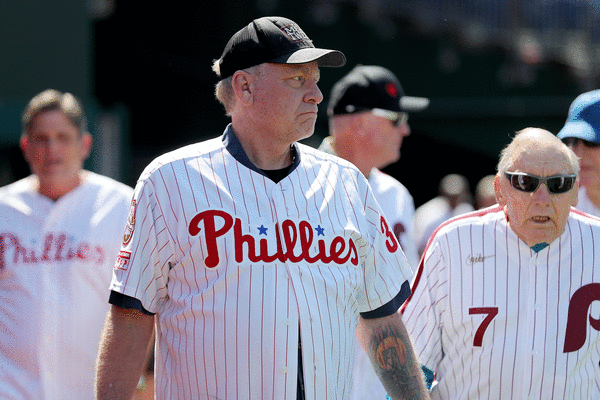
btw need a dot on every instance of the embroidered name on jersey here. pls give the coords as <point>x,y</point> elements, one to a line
<point>52,248</point>
<point>298,239</point>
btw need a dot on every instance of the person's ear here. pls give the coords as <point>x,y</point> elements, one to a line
<point>243,87</point>
<point>86,144</point>
<point>24,145</point>
<point>575,199</point>
<point>499,190</point>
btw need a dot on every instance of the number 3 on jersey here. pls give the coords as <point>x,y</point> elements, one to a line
<point>391,242</point>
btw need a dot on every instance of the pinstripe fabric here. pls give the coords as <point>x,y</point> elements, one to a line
<point>233,263</point>
<point>490,316</point>
<point>55,265</point>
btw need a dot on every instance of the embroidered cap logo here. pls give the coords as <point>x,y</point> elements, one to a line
<point>391,89</point>
<point>294,33</point>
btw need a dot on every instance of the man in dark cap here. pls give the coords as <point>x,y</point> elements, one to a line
<point>368,120</point>
<point>254,256</point>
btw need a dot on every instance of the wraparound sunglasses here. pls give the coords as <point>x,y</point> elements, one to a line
<point>556,184</point>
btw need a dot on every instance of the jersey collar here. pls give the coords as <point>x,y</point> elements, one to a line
<point>234,147</point>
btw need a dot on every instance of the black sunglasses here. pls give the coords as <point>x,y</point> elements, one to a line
<point>529,183</point>
<point>572,142</point>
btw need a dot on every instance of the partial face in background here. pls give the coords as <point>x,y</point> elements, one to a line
<point>589,154</point>
<point>54,148</point>
<point>382,138</point>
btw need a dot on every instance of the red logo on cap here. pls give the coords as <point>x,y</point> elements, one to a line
<point>391,89</point>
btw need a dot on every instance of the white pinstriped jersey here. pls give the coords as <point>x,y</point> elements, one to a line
<point>56,260</point>
<point>396,202</point>
<point>496,320</point>
<point>399,209</point>
<point>232,263</point>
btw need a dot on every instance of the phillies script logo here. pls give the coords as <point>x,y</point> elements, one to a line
<point>579,307</point>
<point>56,248</point>
<point>292,234</point>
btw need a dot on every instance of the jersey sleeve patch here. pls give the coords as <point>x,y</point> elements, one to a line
<point>122,260</point>
<point>130,225</point>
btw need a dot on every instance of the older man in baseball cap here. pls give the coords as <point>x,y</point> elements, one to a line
<point>581,132</point>
<point>368,120</point>
<point>240,250</point>
<point>273,40</point>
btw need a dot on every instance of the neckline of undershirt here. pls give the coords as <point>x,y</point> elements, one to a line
<point>539,247</point>
<point>277,175</point>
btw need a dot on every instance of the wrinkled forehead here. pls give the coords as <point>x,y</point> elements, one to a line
<point>542,160</point>
<point>305,68</point>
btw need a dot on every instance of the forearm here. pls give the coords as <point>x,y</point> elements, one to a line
<point>123,352</point>
<point>388,345</point>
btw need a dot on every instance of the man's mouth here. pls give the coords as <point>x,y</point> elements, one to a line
<point>540,219</point>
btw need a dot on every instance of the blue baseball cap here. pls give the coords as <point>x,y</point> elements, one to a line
<point>583,121</point>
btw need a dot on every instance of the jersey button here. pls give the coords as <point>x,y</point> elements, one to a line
<point>284,370</point>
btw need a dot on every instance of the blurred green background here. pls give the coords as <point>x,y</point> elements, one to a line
<point>143,71</point>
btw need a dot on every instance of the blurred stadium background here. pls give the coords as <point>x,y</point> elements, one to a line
<point>490,67</point>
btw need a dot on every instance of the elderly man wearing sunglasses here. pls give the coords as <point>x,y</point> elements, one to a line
<point>506,300</point>
<point>582,134</point>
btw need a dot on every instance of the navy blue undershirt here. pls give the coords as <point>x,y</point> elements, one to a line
<point>539,247</point>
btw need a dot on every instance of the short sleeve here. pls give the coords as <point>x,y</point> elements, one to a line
<point>143,260</point>
<point>384,264</point>
<point>422,312</point>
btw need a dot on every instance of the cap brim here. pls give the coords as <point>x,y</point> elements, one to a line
<point>413,104</point>
<point>324,57</point>
<point>580,130</point>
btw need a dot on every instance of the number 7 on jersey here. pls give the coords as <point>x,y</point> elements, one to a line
<point>491,313</point>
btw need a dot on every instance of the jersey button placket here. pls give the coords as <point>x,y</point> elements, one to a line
<point>529,335</point>
<point>532,315</point>
<point>284,190</point>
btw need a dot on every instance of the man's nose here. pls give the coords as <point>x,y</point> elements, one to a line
<point>314,93</point>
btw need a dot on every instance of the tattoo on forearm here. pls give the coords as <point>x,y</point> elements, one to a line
<point>394,363</point>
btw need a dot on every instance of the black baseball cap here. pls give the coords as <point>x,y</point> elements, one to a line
<point>367,87</point>
<point>273,40</point>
